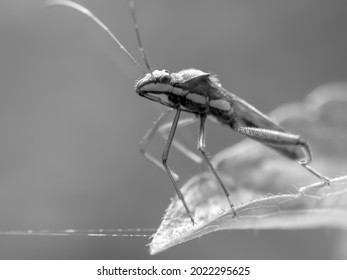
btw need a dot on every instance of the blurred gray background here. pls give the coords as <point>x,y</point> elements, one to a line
<point>70,121</point>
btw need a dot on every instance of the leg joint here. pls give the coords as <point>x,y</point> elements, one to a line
<point>164,160</point>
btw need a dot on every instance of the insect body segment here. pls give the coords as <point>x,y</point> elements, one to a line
<point>193,90</point>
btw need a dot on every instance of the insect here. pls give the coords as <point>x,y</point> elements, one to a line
<point>202,95</point>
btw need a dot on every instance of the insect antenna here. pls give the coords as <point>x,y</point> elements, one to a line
<point>137,31</point>
<point>89,14</point>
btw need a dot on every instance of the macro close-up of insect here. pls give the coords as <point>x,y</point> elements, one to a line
<point>96,156</point>
<point>202,94</point>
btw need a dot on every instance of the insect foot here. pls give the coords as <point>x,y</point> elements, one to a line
<point>233,211</point>
<point>325,180</point>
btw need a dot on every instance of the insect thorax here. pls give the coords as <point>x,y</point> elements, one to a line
<point>193,90</point>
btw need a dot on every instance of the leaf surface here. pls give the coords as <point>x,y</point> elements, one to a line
<point>269,190</point>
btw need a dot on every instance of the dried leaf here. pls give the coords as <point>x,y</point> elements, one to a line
<point>264,184</point>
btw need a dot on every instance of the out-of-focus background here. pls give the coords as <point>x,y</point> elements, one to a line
<point>70,121</point>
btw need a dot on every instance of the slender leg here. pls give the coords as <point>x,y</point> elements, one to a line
<point>201,148</point>
<point>268,136</point>
<point>165,157</point>
<point>149,136</point>
<point>164,130</point>
<point>308,158</point>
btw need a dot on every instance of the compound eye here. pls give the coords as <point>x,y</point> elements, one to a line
<point>165,79</point>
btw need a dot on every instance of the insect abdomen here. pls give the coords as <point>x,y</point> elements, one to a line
<point>235,112</point>
<point>248,116</point>
<point>222,109</point>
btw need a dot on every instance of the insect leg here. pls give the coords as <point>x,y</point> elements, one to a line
<point>201,148</point>
<point>308,158</point>
<point>268,136</point>
<point>164,132</point>
<point>165,157</point>
<point>149,136</point>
